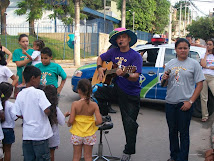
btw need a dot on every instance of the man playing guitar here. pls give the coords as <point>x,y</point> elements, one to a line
<point>126,88</point>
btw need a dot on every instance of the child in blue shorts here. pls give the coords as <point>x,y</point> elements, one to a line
<point>8,122</point>
<point>50,71</point>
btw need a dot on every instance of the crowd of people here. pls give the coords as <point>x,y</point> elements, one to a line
<point>36,93</point>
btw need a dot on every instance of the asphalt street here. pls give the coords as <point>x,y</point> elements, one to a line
<point>152,139</point>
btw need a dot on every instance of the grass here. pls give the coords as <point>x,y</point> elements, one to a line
<point>60,51</point>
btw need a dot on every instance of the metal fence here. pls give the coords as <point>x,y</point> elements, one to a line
<point>56,37</point>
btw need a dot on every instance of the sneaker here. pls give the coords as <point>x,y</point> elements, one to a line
<point>125,157</point>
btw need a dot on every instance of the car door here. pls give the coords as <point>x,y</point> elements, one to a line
<point>148,78</point>
<point>167,55</point>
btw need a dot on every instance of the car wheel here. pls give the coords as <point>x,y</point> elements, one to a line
<point>197,109</point>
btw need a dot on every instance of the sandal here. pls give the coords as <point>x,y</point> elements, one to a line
<point>204,119</point>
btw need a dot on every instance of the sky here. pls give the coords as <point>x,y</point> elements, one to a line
<point>205,7</point>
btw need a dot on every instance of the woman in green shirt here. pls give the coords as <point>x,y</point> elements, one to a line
<point>21,59</point>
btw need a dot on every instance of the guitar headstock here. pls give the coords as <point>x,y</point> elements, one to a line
<point>130,69</point>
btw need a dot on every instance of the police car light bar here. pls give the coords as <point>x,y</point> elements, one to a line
<point>158,40</point>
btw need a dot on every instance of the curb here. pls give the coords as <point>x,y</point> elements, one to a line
<point>66,63</point>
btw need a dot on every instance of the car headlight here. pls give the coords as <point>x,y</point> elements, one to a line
<point>78,73</point>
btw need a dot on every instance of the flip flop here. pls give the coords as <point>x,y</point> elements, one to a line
<point>204,119</point>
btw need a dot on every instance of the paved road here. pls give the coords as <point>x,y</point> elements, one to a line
<point>152,139</point>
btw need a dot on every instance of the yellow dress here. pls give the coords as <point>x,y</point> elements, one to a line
<point>84,126</point>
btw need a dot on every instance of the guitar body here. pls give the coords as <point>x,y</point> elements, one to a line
<point>107,77</point>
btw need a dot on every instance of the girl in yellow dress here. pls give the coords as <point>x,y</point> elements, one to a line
<point>83,122</point>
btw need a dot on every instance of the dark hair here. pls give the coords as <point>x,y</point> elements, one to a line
<point>189,36</point>
<point>47,51</point>
<point>3,60</point>
<point>21,36</point>
<point>181,40</point>
<point>40,44</point>
<point>85,86</point>
<point>51,94</point>
<point>6,90</point>
<point>212,42</point>
<point>31,71</point>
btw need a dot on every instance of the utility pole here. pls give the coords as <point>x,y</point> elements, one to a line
<point>123,16</point>
<point>185,19</point>
<point>104,16</point>
<point>170,25</point>
<point>77,34</point>
<point>180,20</point>
<point>188,15</point>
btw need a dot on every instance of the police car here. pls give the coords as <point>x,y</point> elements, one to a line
<point>154,56</point>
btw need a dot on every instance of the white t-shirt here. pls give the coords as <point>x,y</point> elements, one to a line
<point>210,62</point>
<point>31,103</point>
<point>1,132</point>
<point>54,141</point>
<point>5,73</point>
<point>34,55</point>
<point>9,116</point>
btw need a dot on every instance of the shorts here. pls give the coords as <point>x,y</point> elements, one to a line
<point>1,150</point>
<point>88,140</point>
<point>53,148</point>
<point>9,137</point>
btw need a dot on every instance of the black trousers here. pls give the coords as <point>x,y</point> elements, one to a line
<point>129,107</point>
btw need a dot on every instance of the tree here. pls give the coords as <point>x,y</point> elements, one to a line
<point>177,6</point>
<point>33,9</point>
<point>150,16</point>
<point>202,28</point>
<point>3,6</point>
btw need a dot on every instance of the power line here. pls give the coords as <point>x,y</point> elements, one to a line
<point>197,8</point>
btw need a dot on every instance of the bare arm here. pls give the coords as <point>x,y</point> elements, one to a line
<point>22,62</point>
<point>195,95</point>
<point>97,115</point>
<point>72,115</point>
<point>59,89</point>
<point>29,57</point>
<point>15,80</point>
<point>8,53</point>
<point>101,69</point>
<point>203,61</point>
<point>47,111</point>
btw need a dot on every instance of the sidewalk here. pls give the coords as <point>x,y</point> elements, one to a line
<point>67,65</point>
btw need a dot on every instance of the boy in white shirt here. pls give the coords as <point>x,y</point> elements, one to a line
<point>32,105</point>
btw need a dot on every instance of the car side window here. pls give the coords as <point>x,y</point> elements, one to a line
<point>169,54</point>
<point>149,56</point>
<point>194,55</point>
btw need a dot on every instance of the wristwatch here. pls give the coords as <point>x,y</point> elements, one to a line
<point>190,101</point>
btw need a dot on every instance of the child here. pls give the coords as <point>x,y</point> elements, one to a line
<point>83,122</point>
<point>50,71</point>
<point>38,45</point>
<point>1,132</point>
<point>20,59</point>
<point>8,122</point>
<point>5,72</point>
<point>56,117</point>
<point>33,106</point>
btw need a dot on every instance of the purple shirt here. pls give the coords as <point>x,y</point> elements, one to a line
<point>125,58</point>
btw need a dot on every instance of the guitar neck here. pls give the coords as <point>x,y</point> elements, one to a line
<point>112,71</point>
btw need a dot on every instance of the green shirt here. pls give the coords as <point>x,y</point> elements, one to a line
<point>50,73</point>
<point>19,56</point>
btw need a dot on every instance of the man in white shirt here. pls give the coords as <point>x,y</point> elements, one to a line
<point>32,105</point>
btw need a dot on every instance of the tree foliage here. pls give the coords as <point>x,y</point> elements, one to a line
<point>177,6</point>
<point>150,16</point>
<point>33,9</point>
<point>202,28</point>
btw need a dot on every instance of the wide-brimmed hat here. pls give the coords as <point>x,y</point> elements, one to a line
<point>118,31</point>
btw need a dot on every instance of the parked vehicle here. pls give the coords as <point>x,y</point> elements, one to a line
<point>154,58</point>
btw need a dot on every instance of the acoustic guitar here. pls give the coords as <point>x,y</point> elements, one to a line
<point>110,72</point>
